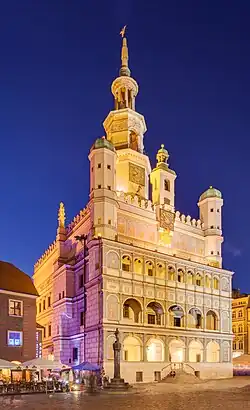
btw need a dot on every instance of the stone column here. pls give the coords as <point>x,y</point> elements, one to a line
<point>117,356</point>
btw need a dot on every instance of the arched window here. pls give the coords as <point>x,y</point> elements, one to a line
<point>171,273</point>
<point>180,275</point>
<point>198,279</point>
<point>213,352</point>
<point>149,268</point>
<point>240,329</point>
<point>155,350</point>
<point>132,310</point>
<point>234,329</point>
<point>155,314</point>
<point>207,282</point>
<point>195,318</point>
<point>240,313</point>
<point>160,270</point>
<point>176,316</point>
<point>138,265</point>
<point>216,283</point>
<point>241,345</point>
<point>233,314</point>
<point>211,320</point>
<point>166,185</point>
<point>132,349</point>
<point>195,352</point>
<point>189,277</point>
<point>126,263</point>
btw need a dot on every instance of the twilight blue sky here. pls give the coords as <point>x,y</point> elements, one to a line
<point>58,59</point>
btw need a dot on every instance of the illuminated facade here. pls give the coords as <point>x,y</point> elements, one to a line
<point>134,262</point>
<point>241,324</point>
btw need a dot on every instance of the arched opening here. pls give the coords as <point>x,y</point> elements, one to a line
<point>176,316</point>
<point>207,282</point>
<point>149,268</point>
<point>132,349</point>
<point>138,266</point>
<point>226,352</point>
<point>198,279</point>
<point>155,350</point>
<point>171,273</point>
<point>215,283</point>
<point>180,275</point>
<point>195,352</point>
<point>132,310</point>
<point>155,314</point>
<point>189,277</point>
<point>176,351</point>
<point>195,318</point>
<point>126,263</point>
<point>109,345</point>
<point>213,352</point>
<point>113,260</point>
<point>166,185</point>
<point>160,270</point>
<point>211,320</point>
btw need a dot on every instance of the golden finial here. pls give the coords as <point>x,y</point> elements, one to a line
<point>61,216</point>
<point>124,71</point>
<point>122,32</point>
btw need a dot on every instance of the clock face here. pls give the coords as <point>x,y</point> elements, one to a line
<point>136,174</point>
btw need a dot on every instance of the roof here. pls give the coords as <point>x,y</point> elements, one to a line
<point>14,280</point>
<point>211,193</point>
<point>103,143</point>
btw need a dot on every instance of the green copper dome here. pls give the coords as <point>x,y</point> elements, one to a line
<point>103,143</point>
<point>211,193</point>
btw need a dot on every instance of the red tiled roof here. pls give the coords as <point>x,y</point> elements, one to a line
<point>14,280</point>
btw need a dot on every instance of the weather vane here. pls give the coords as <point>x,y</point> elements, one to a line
<point>122,32</point>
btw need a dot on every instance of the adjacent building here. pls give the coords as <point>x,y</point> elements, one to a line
<point>130,260</point>
<point>241,323</point>
<point>17,314</point>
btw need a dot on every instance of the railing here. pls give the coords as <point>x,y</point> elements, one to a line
<point>176,366</point>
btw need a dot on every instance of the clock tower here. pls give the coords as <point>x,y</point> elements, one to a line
<point>125,129</point>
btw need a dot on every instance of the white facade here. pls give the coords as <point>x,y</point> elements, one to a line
<point>155,274</point>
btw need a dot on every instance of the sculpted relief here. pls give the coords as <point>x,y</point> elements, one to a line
<point>136,229</point>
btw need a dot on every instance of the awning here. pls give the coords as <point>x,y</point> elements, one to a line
<point>87,366</point>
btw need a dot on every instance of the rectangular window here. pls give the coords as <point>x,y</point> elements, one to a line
<point>60,296</point>
<point>151,319</point>
<point>63,294</point>
<point>44,304</point>
<point>218,211</point>
<point>81,281</point>
<point>99,165</point>
<point>109,187</point>
<point>109,166</point>
<point>212,210</point>
<point>109,221</point>
<point>44,332</point>
<point>150,272</point>
<point>99,186</point>
<point>15,339</point>
<point>81,318</point>
<point>40,307</point>
<point>125,267</point>
<point>126,311</point>
<point>75,354</point>
<point>125,355</point>
<point>177,321</point>
<point>139,377</point>
<point>157,376</point>
<point>15,307</point>
<point>49,330</point>
<point>49,301</point>
<point>198,358</point>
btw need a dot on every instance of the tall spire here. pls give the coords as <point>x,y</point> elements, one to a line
<point>124,70</point>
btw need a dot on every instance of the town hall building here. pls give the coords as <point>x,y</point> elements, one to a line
<point>130,260</point>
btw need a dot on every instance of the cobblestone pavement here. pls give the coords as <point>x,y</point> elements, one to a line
<point>225,395</point>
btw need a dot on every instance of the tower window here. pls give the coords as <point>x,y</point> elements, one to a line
<point>212,210</point>
<point>109,166</point>
<point>218,253</point>
<point>212,252</point>
<point>166,185</point>
<point>212,227</point>
<point>109,187</point>
<point>109,221</point>
<point>99,165</point>
<point>99,186</point>
<point>99,221</point>
<point>92,169</point>
<point>218,210</point>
